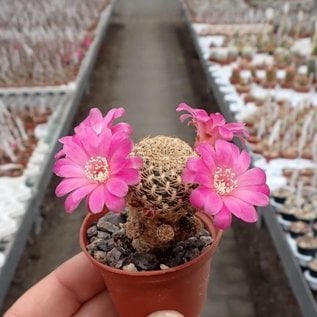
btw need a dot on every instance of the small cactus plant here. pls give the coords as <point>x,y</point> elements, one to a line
<point>235,76</point>
<point>159,213</point>
<point>161,181</point>
<point>289,77</point>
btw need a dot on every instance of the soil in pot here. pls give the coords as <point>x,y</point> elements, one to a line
<point>109,245</point>
<point>307,245</point>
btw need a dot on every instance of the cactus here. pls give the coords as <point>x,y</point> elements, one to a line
<point>235,76</point>
<point>290,75</point>
<point>159,212</point>
<point>271,75</point>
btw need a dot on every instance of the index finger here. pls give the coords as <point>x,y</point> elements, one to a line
<point>62,292</point>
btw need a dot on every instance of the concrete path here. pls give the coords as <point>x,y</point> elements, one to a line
<point>146,65</point>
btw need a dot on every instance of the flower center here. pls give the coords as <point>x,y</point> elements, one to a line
<point>97,169</point>
<point>224,181</point>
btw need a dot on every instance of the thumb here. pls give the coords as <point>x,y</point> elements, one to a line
<point>166,313</point>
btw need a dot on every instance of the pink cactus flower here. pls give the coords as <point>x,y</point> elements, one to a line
<point>96,163</point>
<point>212,127</point>
<point>226,185</point>
<point>97,122</point>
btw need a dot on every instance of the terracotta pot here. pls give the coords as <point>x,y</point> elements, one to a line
<point>138,294</point>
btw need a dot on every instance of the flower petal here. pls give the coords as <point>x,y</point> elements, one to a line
<point>95,120</point>
<point>242,163</point>
<point>252,197</point>
<point>225,133</point>
<point>207,154</point>
<point>223,218</point>
<point>218,119</point>
<point>263,188</point>
<point>121,146</point>
<point>254,176</point>
<point>196,198</point>
<point>134,162</point>
<point>205,199</point>
<point>241,209</point>
<point>117,187</point>
<point>213,203</point>
<point>68,185</point>
<point>67,170</point>
<point>104,141</point>
<point>96,199</point>
<point>112,115</point>
<point>130,175</point>
<point>114,203</point>
<point>117,165</point>
<point>122,127</point>
<point>74,199</point>
<point>87,138</point>
<point>226,153</point>
<point>76,153</point>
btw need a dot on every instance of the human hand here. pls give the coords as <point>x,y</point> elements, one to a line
<point>74,289</point>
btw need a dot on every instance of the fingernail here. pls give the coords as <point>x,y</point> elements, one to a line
<point>166,313</point>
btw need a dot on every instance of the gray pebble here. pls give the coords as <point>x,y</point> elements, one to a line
<point>94,238</point>
<point>164,267</point>
<point>192,240</point>
<point>113,257</point>
<point>104,225</point>
<point>92,231</point>
<point>118,233</point>
<point>106,245</point>
<point>103,235</point>
<point>114,218</point>
<point>130,268</point>
<point>206,240</point>
<point>178,249</point>
<point>145,261</point>
<point>100,256</point>
<point>119,264</point>
<point>204,232</point>
<point>190,254</point>
<point>93,246</point>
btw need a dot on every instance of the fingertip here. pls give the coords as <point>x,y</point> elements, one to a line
<point>166,313</point>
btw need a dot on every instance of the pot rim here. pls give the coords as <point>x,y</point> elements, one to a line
<point>207,221</point>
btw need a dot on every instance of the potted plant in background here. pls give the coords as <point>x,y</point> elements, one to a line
<point>157,209</point>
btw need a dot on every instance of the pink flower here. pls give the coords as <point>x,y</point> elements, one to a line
<point>97,122</point>
<point>96,163</point>
<point>212,127</point>
<point>226,185</point>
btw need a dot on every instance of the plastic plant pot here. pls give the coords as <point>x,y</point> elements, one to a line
<point>182,288</point>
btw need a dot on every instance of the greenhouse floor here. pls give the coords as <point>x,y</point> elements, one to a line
<point>146,64</point>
